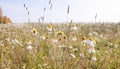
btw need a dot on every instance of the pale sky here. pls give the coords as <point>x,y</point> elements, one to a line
<point>80,10</point>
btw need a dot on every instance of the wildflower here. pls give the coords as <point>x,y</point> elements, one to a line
<point>106,52</point>
<point>90,34</point>
<point>95,33</point>
<point>1,44</point>
<point>60,39</point>
<point>91,39</point>
<point>70,47</point>
<point>49,28</point>
<point>65,37</point>
<point>61,46</point>
<point>107,30</point>
<point>89,42</point>
<point>7,39</point>
<point>74,38</point>
<point>91,50</point>
<point>38,65</point>
<point>116,46</point>
<point>54,41</point>
<point>29,47</point>
<point>50,32</point>
<point>94,58</point>
<point>110,43</point>
<point>42,37</point>
<point>23,66</point>
<point>101,36</point>
<point>73,27</point>
<point>83,38</point>
<point>73,56</point>
<point>47,37</point>
<point>82,55</point>
<point>29,42</point>
<point>34,30</point>
<point>60,33</point>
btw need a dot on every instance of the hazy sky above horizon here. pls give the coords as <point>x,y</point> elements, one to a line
<point>80,10</point>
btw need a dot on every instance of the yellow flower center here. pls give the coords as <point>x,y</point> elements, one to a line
<point>50,26</point>
<point>73,25</point>
<point>65,37</point>
<point>34,30</point>
<point>91,39</point>
<point>60,33</point>
<point>83,38</point>
<point>47,37</point>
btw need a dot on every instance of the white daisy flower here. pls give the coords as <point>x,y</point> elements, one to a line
<point>101,36</point>
<point>70,47</point>
<point>95,33</point>
<point>34,30</point>
<point>74,38</point>
<point>89,42</point>
<point>49,29</point>
<point>116,46</point>
<point>74,28</point>
<point>82,55</point>
<point>110,43</point>
<point>91,50</point>
<point>29,47</point>
<point>42,37</point>
<point>61,46</point>
<point>94,58</point>
<point>1,44</point>
<point>90,34</point>
<point>7,39</point>
<point>54,41</point>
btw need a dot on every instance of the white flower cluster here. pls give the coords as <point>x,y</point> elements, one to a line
<point>91,44</point>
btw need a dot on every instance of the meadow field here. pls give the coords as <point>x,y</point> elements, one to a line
<point>60,46</point>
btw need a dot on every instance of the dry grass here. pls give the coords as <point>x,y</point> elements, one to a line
<point>20,48</point>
